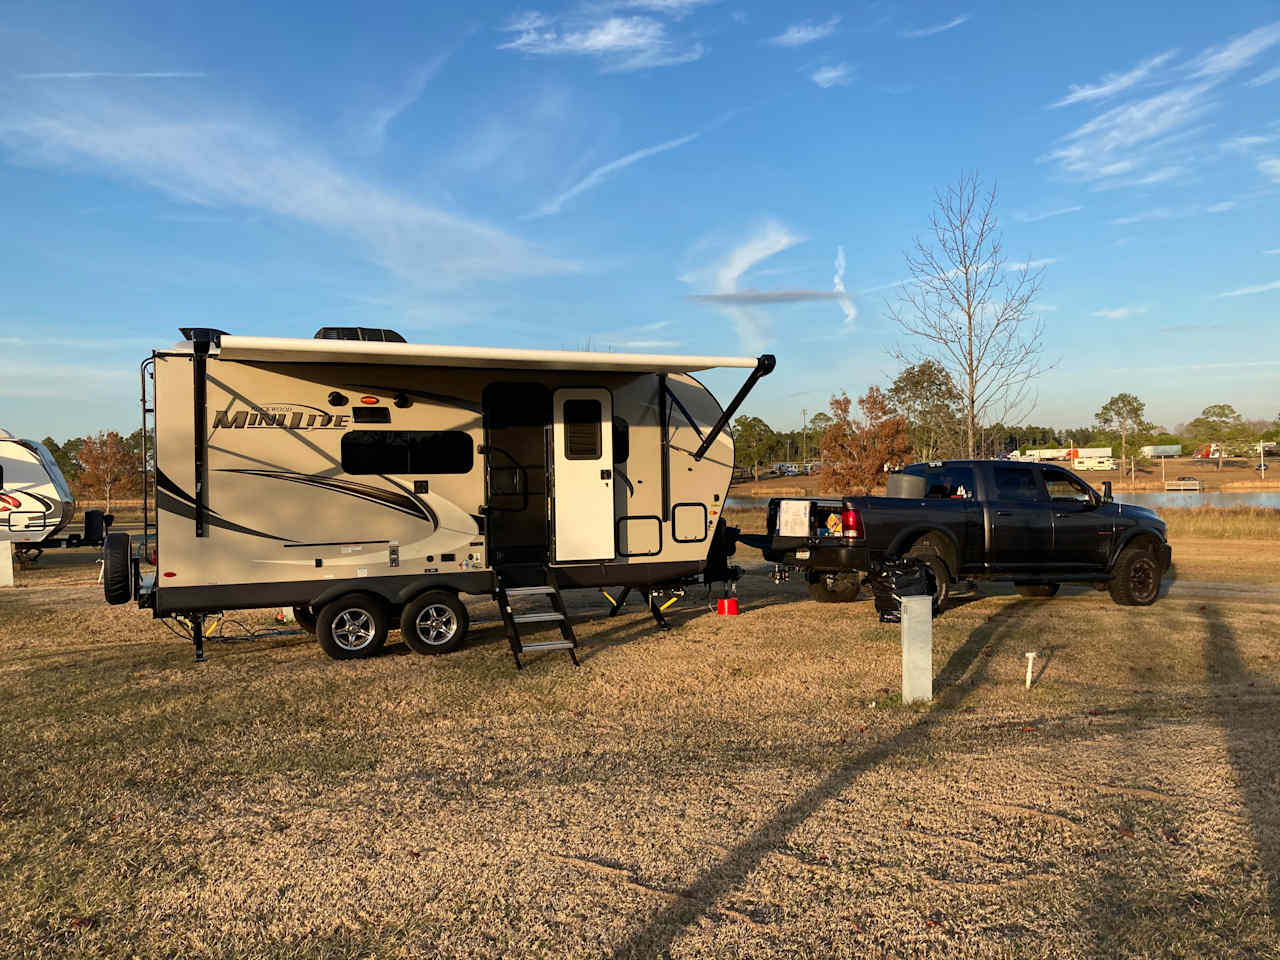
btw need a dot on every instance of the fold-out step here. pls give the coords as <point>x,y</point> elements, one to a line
<point>529,591</point>
<point>536,617</point>
<point>503,595</point>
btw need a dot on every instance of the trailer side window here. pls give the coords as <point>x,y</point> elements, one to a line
<point>582,440</point>
<point>407,451</point>
<point>621,440</point>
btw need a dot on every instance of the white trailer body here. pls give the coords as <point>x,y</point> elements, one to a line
<point>1166,450</point>
<point>1094,463</point>
<point>35,500</point>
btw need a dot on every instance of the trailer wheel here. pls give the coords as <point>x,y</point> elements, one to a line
<point>306,619</point>
<point>1135,578</point>
<point>941,575</point>
<point>117,577</point>
<point>1036,589</point>
<point>831,586</point>
<point>352,627</point>
<point>436,622</point>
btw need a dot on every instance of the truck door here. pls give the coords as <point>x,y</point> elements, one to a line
<point>582,458</point>
<point>1020,517</point>
<point>1081,533</point>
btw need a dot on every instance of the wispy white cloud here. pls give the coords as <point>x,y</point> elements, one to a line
<point>1262,79</point>
<point>1114,83</point>
<point>1247,142</point>
<point>1237,52</point>
<point>753,325</point>
<point>846,304</point>
<point>761,298</point>
<point>382,116</point>
<point>213,156</point>
<point>1030,264</point>
<point>1270,167</point>
<point>1045,215</point>
<point>1272,253</point>
<point>108,75</point>
<point>837,75</point>
<point>1249,291</point>
<point>621,44</point>
<point>1119,313</point>
<point>671,8</point>
<point>647,336</point>
<point>1160,213</point>
<point>1222,207</point>
<point>600,174</point>
<point>937,28</point>
<point>799,34</point>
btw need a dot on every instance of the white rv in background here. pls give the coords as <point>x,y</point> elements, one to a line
<point>1094,463</point>
<point>35,501</point>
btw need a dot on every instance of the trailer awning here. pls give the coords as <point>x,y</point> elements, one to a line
<point>283,350</point>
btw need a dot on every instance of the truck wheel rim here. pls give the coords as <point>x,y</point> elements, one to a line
<point>1142,578</point>
<point>436,625</point>
<point>353,629</point>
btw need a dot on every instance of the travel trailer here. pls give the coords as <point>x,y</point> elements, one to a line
<point>35,501</point>
<point>366,481</point>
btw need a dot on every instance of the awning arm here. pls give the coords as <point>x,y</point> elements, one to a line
<point>764,366</point>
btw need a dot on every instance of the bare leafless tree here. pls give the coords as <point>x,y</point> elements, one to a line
<point>974,311</point>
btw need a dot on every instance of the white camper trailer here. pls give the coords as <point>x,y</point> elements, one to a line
<point>366,481</point>
<point>35,501</point>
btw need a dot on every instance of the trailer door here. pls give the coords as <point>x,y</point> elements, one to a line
<point>582,495</point>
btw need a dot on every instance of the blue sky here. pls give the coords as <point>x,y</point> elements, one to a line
<point>578,174</point>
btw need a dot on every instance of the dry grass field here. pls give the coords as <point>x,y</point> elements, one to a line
<point>735,787</point>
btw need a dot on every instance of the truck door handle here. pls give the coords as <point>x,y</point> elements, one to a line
<point>1061,516</point>
<point>1003,513</point>
<point>606,474</point>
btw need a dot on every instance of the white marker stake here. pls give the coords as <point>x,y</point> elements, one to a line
<point>6,565</point>
<point>1031,659</point>
<point>917,649</point>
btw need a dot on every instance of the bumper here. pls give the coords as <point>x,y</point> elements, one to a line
<point>818,553</point>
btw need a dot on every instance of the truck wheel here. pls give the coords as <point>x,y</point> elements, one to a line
<point>1036,589</point>
<point>117,575</point>
<point>305,618</point>
<point>1135,578</point>
<point>826,586</point>
<point>352,627</point>
<point>927,555</point>
<point>435,622</point>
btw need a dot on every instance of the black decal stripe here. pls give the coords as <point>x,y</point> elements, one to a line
<point>362,491</point>
<point>170,504</point>
<point>164,483</point>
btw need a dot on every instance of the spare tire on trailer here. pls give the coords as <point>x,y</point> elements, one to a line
<point>117,568</point>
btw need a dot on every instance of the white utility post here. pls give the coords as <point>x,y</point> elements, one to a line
<point>1031,659</point>
<point>6,564</point>
<point>917,649</point>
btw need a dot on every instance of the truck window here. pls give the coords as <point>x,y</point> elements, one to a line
<point>1016,483</point>
<point>1063,487</point>
<point>946,483</point>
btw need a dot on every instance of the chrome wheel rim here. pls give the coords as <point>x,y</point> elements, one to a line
<point>436,625</point>
<point>353,629</point>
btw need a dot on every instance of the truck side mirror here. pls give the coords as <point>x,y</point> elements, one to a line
<point>1106,491</point>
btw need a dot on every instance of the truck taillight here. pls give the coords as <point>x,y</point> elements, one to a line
<point>850,526</point>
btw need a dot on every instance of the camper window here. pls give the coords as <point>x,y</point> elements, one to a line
<point>582,430</point>
<point>621,440</point>
<point>407,451</point>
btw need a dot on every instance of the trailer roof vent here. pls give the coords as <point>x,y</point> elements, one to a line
<point>359,333</point>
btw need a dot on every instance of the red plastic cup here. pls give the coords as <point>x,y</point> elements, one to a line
<point>727,606</point>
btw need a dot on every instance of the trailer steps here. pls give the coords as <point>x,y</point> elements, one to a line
<point>503,596</point>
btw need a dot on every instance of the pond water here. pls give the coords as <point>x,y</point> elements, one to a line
<point>1256,498</point>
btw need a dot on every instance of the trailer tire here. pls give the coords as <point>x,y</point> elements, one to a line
<point>436,622</point>
<point>938,571</point>
<point>352,627</point>
<point>117,572</point>
<point>1043,590</point>
<point>305,618</point>
<point>828,586</point>
<point>1135,578</point>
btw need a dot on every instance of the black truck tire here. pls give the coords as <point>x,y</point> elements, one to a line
<point>1135,578</point>
<point>1043,590</point>
<point>831,586</point>
<point>117,568</point>
<point>436,622</point>
<point>305,618</point>
<point>926,554</point>
<point>352,627</point>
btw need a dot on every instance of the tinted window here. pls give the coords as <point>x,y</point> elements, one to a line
<point>1063,486</point>
<point>582,430</point>
<point>1016,483</point>
<point>946,483</point>
<point>407,451</point>
<point>621,440</point>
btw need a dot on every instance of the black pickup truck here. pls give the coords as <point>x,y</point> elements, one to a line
<point>1035,524</point>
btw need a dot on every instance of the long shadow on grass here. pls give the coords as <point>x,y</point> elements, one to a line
<point>657,936</point>
<point>1252,743</point>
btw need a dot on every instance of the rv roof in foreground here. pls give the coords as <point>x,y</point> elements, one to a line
<point>283,350</point>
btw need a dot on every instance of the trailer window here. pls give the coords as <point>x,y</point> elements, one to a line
<point>407,452</point>
<point>582,440</point>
